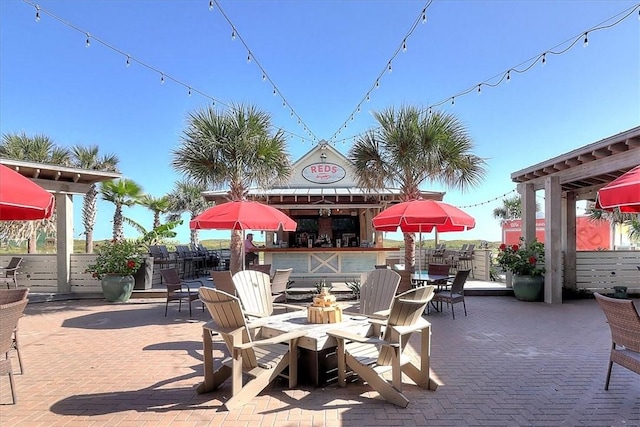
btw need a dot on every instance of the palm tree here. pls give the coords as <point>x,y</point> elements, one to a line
<point>89,158</point>
<point>511,209</point>
<point>40,149</point>
<point>631,220</point>
<point>186,197</point>
<point>122,192</point>
<point>409,149</point>
<point>233,149</point>
<point>157,205</point>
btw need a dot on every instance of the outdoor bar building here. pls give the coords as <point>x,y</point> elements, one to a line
<point>334,239</point>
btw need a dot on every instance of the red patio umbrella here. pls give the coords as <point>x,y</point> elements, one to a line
<point>418,216</point>
<point>623,193</point>
<point>21,199</point>
<point>243,215</point>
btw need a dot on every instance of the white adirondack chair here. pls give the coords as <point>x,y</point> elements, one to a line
<point>254,290</point>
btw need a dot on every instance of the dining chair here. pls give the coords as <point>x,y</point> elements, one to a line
<point>178,289</point>
<point>222,281</point>
<point>10,272</point>
<point>454,294</point>
<point>624,323</point>
<point>9,317</point>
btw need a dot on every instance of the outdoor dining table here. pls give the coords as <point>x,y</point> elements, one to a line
<point>424,278</point>
<point>440,281</point>
<point>318,362</point>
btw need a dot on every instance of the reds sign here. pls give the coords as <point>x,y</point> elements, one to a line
<point>323,173</point>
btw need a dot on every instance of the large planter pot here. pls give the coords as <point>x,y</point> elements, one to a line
<point>117,288</point>
<point>528,288</point>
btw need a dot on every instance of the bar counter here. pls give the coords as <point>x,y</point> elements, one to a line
<point>312,265</point>
<point>331,249</point>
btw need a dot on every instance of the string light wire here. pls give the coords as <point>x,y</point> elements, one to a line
<point>402,47</point>
<point>129,59</point>
<point>251,57</point>
<point>516,69</point>
<point>529,63</point>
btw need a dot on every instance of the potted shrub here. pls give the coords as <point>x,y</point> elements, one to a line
<point>116,262</point>
<point>526,262</point>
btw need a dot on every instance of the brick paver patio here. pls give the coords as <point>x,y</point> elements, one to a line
<point>90,363</point>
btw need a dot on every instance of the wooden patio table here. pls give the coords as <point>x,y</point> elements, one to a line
<point>318,361</point>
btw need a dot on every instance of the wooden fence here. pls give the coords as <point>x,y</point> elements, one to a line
<point>595,271</point>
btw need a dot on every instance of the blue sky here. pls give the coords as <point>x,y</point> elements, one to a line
<point>323,57</point>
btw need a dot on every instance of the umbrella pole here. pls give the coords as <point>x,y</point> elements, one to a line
<point>243,251</point>
<point>420,252</point>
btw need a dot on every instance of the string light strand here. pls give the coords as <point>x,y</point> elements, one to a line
<point>251,57</point>
<point>129,59</point>
<point>402,47</point>
<point>529,63</point>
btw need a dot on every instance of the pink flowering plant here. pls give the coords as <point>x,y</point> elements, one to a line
<point>523,259</point>
<point>121,258</point>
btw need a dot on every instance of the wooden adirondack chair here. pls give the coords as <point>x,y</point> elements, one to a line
<point>262,360</point>
<point>377,290</point>
<point>370,357</point>
<point>254,290</point>
<point>279,283</point>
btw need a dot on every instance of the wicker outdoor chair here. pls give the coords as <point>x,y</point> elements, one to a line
<point>8,296</point>
<point>624,322</point>
<point>9,316</point>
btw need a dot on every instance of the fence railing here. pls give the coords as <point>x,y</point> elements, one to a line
<point>595,271</point>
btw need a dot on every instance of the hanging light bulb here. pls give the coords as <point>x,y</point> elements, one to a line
<point>453,100</point>
<point>213,102</point>
<point>189,90</point>
<point>210,4</point>
<point>508,76</point>
<point>284,104</point>
<point>233,34</point>
<point>358,109</point>
<point>368,98</point>
<point>424,16</point>
<point>389,67</point>
<point>264,76</point>
<point>88,42</point>
<point>430,110</point>
<point>544,58</point>
<point>128,60</point>
<point>161,78</point>
<point>586,40</point>
<point>404,45</point>
<point>274,92</point>
<point>248,58</point>
<point>37,13</point>
<point>479,88</point>
<point>377,83</point>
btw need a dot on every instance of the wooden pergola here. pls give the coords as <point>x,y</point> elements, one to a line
<point>63,182</point>
<point>576,175</point>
